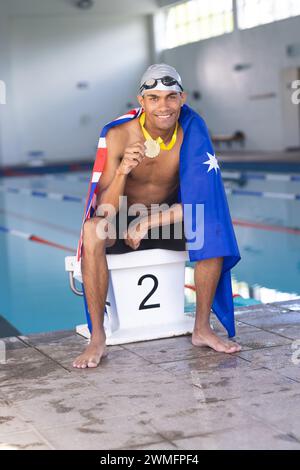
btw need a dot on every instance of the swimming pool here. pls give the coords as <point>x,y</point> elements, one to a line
<point>40,217</point>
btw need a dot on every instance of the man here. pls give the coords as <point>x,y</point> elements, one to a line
<point>147,175</point>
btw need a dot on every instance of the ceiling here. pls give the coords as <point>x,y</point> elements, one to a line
<point>68,7</point>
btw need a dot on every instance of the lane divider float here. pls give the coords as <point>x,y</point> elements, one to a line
<point>34,238</point>
<point>42,194</point>
<point>70,198</point>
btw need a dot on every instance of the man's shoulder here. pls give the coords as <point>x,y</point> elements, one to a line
<point>121,129</point>
<point>122,133</point>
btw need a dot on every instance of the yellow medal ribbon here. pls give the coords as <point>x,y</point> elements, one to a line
<point>159,139</point>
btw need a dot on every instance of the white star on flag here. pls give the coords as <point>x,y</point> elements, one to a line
<point>212,162</point>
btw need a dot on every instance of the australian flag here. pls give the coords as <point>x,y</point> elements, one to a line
<point>201,187</point>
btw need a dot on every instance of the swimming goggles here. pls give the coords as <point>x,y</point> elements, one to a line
<point>152,83</point>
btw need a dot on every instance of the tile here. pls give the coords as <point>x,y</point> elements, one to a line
<point>240,329</point>
<point>232,383</point>
<point>67,340</point>
<point>285,360</point>
<point>164,445</point>
<point>244,327</point>
<point>169,349</point>
<point>287,331</point>
<point>205,420</point>
<point>13,342</point>
<point>186,369</point>
<point>66,351</point>
<point>258,339</point>
<point>24,364</point>
<point>282,411</point>
<point>117,363</point>
<point>192,421</point>
<point>247,437</point>
<point>42,384</point>
<point>51,337</point>
<point>293,305</point>
<point>269,318</point>
<point>10,420</point>
<point>24,441</point>
<point>163,394</point>
<point>114,433</point>
<point>256,310</point>
<point>143,395</point>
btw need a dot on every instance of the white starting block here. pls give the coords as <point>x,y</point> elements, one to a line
<point>145,296</point>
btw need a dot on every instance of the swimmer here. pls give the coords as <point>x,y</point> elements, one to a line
<point>144,179</point>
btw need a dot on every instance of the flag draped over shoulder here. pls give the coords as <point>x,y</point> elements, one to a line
<point>101,155</point>
<point>200,184</point>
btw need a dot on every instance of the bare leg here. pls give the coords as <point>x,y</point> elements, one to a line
<point>207,274</point>
<point>95,280</point>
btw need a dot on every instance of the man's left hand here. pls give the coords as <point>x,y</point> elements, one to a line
<point>136,232</point>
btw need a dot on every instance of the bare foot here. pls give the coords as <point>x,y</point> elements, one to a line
<point>92,356</point>
<point>207,337</point>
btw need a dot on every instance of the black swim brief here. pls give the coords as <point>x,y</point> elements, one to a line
<point>169,243</point>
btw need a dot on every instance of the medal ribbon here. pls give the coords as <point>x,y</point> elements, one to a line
<point>159,139</point>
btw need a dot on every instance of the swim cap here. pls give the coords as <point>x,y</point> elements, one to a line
<point>161,71</point>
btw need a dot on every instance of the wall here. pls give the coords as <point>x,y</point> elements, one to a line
<point>7,140</point>
<point>44,56</point>
<point>227,101</point>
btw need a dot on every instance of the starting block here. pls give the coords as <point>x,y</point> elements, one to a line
<point>145,299</point>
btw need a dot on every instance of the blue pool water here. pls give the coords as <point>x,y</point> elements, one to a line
<point>35,294</point>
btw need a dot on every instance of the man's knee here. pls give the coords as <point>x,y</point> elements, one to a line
<point>90,233</point>
<point>95,233</point>
<point>216,261</point>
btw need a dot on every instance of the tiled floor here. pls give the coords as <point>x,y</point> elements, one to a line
<point>163,394</point>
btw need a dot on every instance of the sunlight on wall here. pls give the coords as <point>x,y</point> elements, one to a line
<point>195,20</point>
<point>256,12</point>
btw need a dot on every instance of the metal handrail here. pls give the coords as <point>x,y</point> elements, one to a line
<point>73,286</point>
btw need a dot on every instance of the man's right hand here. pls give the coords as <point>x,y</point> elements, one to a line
<point>133,156</point>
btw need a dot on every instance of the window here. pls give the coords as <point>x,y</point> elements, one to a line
<point>255,12</point>
<point>197,19</point>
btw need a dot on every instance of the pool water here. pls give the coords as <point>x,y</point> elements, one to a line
<point>38,228</point>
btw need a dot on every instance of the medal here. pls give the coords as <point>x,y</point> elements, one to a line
<point>152,148</point>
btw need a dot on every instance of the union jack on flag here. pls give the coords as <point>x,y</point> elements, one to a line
<point>101,155</point>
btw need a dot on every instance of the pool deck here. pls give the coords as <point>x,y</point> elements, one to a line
<point>162,394</point>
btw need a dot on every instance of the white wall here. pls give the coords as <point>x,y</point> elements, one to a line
<point>46,47</point>
<point>207,66</point>
<point>7,141</point>
<point>45,56</point>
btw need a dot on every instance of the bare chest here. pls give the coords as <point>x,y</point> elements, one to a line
<point>157,171</point>
<point>161,170</point>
